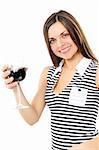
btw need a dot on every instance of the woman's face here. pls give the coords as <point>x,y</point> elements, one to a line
<point>60,41</point>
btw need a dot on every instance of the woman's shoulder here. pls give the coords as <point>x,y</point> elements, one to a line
<point>95,66</point>
<point>47,70</point>
<point>93,63</point>
<point>50,68</point>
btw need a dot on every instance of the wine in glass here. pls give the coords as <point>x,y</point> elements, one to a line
<point>19,75</point>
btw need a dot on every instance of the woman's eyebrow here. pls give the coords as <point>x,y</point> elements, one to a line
<point>66,32</point>
<point>52,38</point>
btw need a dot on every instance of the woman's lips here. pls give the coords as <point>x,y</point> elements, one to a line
<point>65,50</point>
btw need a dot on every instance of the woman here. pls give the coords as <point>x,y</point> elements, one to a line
<point>69,87</point>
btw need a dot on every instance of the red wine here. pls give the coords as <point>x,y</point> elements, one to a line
<point>18,75</point>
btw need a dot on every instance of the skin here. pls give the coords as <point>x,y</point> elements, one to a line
<point>60,41</point>
<point>89,145</point>
<point>63,46</point>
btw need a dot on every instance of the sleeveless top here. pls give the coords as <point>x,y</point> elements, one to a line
<point>74,110</point>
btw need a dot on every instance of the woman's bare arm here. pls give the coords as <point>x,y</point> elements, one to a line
<point>31,114</point>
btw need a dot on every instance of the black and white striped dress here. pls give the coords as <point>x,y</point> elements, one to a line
<point>73,120</point>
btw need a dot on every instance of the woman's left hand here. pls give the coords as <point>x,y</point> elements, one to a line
<point>92,144</point>
<point>97,77</point>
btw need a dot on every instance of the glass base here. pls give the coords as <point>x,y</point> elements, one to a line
<point>21,106</point>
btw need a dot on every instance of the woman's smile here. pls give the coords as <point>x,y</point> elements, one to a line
<point>65,50</point>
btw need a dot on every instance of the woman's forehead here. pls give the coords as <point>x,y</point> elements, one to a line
<point>56,29</point>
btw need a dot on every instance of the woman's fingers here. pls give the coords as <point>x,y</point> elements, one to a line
<point>11,85</point>
<point>8,80</point>
<point>6,70</point>
<point>5,74</point>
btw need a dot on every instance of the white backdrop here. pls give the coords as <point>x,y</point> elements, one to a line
<point>22,43</point>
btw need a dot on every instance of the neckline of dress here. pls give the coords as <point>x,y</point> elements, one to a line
<point>70,83</point>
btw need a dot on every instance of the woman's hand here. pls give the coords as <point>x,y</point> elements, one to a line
<point>97,78</point>
<point>6,70</point>
<point>92,144</point>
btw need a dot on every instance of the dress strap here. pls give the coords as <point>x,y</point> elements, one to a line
<point>59,68</point>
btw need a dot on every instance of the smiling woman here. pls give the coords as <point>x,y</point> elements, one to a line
<point>60,41</point>
<point>71,92</point>
<point>68,87</point>
<point>70,25</point>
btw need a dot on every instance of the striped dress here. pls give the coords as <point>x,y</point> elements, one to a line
<point>74,110</point>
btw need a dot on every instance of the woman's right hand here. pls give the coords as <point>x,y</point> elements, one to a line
<point>6,70</point>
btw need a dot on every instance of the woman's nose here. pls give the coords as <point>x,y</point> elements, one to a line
<point>60,42</point>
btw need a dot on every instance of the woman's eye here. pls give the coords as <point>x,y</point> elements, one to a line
<point>52,41</point>
<point>65,35</point>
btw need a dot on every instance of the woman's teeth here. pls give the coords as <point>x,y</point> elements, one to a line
<point>65,50</point>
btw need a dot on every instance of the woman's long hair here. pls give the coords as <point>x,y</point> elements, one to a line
<point>75,31</point>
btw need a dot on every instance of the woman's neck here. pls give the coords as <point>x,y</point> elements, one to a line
<point>72,63</point>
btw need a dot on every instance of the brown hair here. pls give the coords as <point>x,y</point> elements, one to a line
<point>75,31</point>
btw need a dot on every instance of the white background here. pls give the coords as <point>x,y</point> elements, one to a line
<point>22,43</point>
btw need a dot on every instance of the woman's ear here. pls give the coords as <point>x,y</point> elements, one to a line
<point>97,77</point>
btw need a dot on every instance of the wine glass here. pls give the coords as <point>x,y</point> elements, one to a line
<point>18,72</point>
